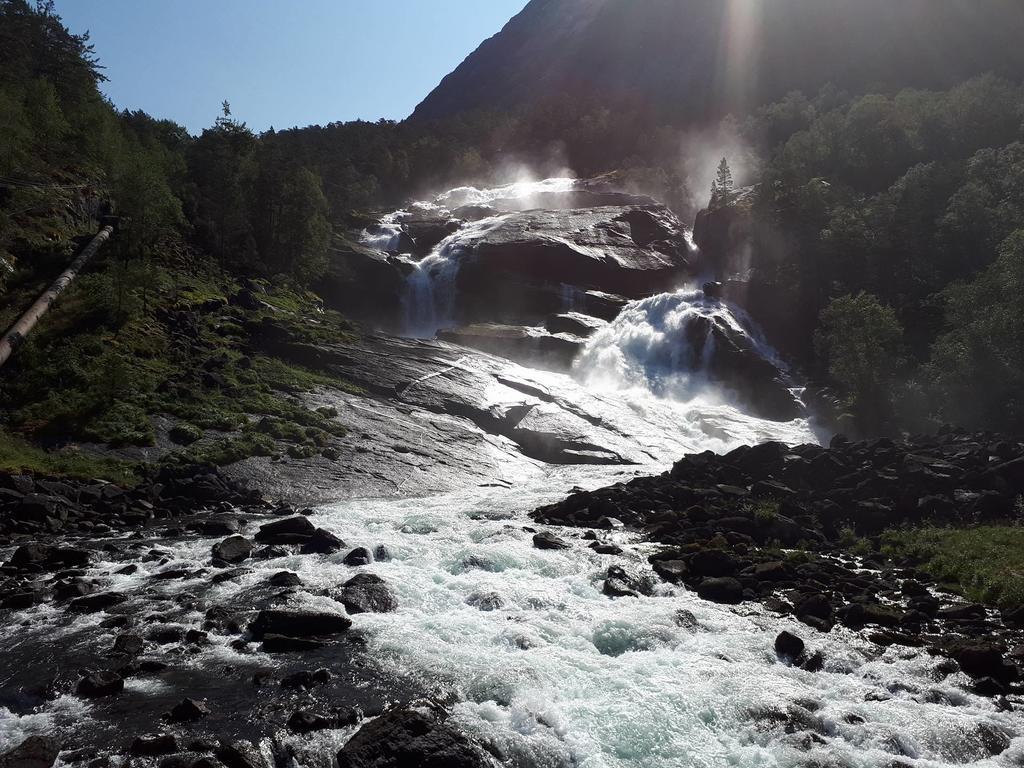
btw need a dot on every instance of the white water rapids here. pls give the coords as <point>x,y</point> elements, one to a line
<point>553,673</point>
<point>546,669</point>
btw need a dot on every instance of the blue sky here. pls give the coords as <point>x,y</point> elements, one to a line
<point>281,63</point>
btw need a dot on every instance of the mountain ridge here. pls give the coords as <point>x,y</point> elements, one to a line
<point>711,57</point>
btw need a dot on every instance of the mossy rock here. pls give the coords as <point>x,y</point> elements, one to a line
<point>185,434</point>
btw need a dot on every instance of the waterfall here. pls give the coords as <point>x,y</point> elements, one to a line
<point>429,300</point>
<point>665,345</point>
<point>386,235</point>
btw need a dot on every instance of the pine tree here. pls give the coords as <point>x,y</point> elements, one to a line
<point>722,187</point>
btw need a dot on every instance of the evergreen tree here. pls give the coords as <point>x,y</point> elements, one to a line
<point>722,188</point>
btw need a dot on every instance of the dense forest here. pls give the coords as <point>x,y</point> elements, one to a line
<point>890,226</point>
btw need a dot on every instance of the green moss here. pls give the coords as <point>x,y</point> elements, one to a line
<point>228,450</point>
<point>18,455</point>
<point>984,564</point>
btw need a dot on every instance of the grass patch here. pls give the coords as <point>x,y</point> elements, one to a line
<point>984,564</point>
<point>228,450</point>
<point>18,455</point>
<point>113,354</point>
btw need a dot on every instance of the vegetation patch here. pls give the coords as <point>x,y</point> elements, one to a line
<point>985,564</point>
<point>18,455</point>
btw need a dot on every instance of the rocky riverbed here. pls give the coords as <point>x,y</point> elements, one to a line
<point>771,524</point>
<point>211,626</point>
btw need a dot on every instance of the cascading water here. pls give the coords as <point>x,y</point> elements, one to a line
<point>384,236</point>
<point>429,299</point>
<point>665,344</point>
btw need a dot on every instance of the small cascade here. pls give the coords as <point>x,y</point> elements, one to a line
<point>672,346</point>
<point>386,235</point>
<point>429,300</point>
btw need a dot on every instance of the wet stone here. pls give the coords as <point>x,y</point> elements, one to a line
<point>100,684</point>
<point>188,710</point>
<point>358,556</point>
<point>367,593</point>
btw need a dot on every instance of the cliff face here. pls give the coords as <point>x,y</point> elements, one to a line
<point>698,59</point>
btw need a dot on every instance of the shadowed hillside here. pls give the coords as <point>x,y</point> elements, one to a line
<point>716,56</point>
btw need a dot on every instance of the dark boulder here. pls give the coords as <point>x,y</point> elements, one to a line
<point>98,602</point>
<point>620,583</point>
<point>358,556</point>
<point>411,736</point>
<point>285,579</point>
<point>673,571</point>
<point>303,721</point>
<point>712,562</point>
<point>366,593</point>
<point>306,680</point>
<point>302,623</point>
<point>187,711</point>
<point>322,542</point>
<point>548,540</point>
<point>128,644</point>
<point>49,558</point>
<point>982,659</point>
<point>813,606</point>
<point>240,754</point>
<point>291,530</point>
<point>723,589</point>
<point>789,645</point>
<point>233,549</point>
<point>33,752</point>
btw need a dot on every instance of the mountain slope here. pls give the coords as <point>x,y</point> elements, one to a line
<point>698,59</point>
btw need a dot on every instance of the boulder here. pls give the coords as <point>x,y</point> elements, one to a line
<point>412,735</point>
<point>98,602</point>
<point>290,530</point>
<point>233,549</point>
<point>49,557</point>
<point>358,556</point>
<point>674,571</point>
<point>508,271</point>
<point>367,284</point>
<point>285,579</point>
<point>619,583</point>
<point>713,562</point>
<point>322,542</point>
<point>302,623</point>
<point>240,754</point>
<point>723,589</point>
<point>187,711</point>
<point>366,593</point>
<point>303,721</point>
<point>789,645</point>
<point>548,540</point>
<point>128,644</point>
<point>33,752</point>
